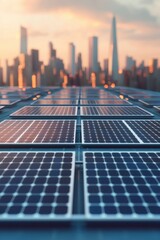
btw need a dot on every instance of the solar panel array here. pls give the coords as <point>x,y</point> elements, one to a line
<point>41,132</point>
<point>36,185</point>
<point>111,132</point>
<point>46,111</point>
<point>115,111</point>
<point>122,185</point>
<point>63,172</point>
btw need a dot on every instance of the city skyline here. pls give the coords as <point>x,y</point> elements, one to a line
<point>138,31</point>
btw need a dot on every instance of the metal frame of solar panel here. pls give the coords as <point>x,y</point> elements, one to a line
<point>43,102</point>
<point>8,102</point>
<point>1,107</point>
<point>122,186</point>
<point>150,102</point>
<point>137,97</point>
<point>117,133</point>
<point>36,186</point>
<point>38,133</point>
<point>46,112</point>
<point>114,112</point>
<point>157,108</point>
<point>105,102</point>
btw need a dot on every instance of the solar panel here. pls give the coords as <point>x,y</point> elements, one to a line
<point>1,107</point>
<point>36,185</point>
<point>120,132</point>
<point>143,96</point>
<point>37,132</point>
<point>116,111</point>
<point>47,111</point>
<point>8,102</point>
<point>63,97</point>
<point>101,97</point>
<point>157,108</point>
<point>56,102</point>
<point>105,102</point>
<point>122,185</point>
<point>150,102</point>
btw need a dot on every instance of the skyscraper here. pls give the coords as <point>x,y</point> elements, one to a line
<point>113,52</point>
<point>72,64</point>
<point>23,40</point>
<point>93,55</point>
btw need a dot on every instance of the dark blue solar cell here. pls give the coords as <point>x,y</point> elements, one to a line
<point>125,210</point>
<point>91,173</point>
<point>118,189</point>
<point>48,199</point>
<point>151,180</point>
<point>110,210</point>
<point>62,199</point>
<point>4,180</point>
<point>24,189</point>
<point>40,180</point>
<point>37,189</point>
<point>106,189</point>
<point>19,199</point>
<point>128,180</point>
<point>30,210</point>
<point>156,189</point>
<point>44,173</point>
<point>31,173</point>
<point>65,173</point>
<point>63,189</point>
<point>16,209</point>
<point>28,180</point>
<point>139,180</point>
<point>94,199</point>
<point>5,199</point>
<point>154,209</point>
<point>122,199</point>
<point>60,210</point>
<point>3,208</point>
<point>50,189</point>
<point>108,199</point>
<point>91,180</point>
<point>149,199</point>
<point>11,189</point>
<point>95,210</point>
<point>45,210</point>
<point>103,180</point>
<point>144,189</point>
<point>34,199</point>
<point>135,199</point>
<point>140,209</point>
<point>53,180</point>
<point>131,189</point>
<point>93,189</point>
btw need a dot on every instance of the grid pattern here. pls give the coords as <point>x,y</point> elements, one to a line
<point>122,185</point>
<point>56,102</point>
<point>47,111</point>
<point>37,132</point>
<point>36,185</point>
<point>105,102</point>
<point>121,132</point>
<point>116,111</point>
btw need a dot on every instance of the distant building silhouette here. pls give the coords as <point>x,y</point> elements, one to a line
<point>71,60</point>
<point>23,40</point>
<point>113,53</point>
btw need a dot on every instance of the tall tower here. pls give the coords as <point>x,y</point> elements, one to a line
<point>93,55</point>
<point>72,63</point>
<point>23,40</point>
<point>113,52</point>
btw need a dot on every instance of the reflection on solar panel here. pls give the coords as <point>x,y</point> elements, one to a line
<point>46,111</point>
<point>36,185</point>
<point>150,102</point>
<point>56,102</point>
<point>118,132</point>
<point>8,102</point>
<point>122,185</point>
<point>145,96</point>
<point>105,102</point>
<point>116,111</point>
<point>39,132</point>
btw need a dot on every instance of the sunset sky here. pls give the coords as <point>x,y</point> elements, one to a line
<point>64,21</point>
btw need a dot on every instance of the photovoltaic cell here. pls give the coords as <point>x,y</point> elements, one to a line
<point>36,185</point>
<point>55,102</point>
<point>37,132</point>
<point>122,185</point>
<point>47,111</point>
<point>116,111</point>
<point>105,102</point>
<point>121,132</point>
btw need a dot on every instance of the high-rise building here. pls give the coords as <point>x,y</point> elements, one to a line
<point>153,66</point>
<point>93,55</point>
<point>130,63</point>
<point>1,76</point>
<point>23,40</point>
<point>52,51</point>
<point>72,63</point>
<point>79,62</point>
<point>113,53</point>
